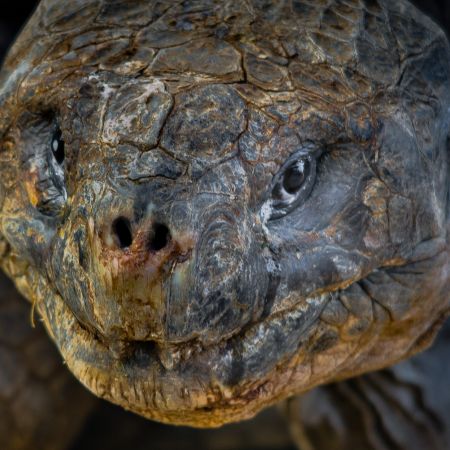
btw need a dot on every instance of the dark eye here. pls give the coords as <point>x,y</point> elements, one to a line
<point>295,175</point>
<point>292,185</point>
<point>57,146</point>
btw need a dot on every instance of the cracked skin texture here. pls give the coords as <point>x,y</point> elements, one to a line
<point>253,198</point>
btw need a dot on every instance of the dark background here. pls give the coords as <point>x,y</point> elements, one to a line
<point>111,428</point>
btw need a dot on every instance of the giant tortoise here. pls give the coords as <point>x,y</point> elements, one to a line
<point>213,205</point>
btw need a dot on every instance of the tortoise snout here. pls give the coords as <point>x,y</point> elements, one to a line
<point>132,261</point>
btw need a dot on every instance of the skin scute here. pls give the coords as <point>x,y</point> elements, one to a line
<point>215,205</point>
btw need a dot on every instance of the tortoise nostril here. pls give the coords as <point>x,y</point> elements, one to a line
<point>121,227</point>
<point>160,237</point>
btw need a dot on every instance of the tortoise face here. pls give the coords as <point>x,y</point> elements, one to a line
<point>226,225</point>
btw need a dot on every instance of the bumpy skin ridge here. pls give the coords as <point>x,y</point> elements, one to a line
<point>185,114</point>
<point>403,406</point>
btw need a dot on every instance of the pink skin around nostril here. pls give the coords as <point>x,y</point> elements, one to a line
<point>129,252</point>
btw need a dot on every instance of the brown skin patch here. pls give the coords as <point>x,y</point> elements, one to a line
<point>32,177</point>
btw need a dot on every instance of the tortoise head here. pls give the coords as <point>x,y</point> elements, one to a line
<point>215,207</point>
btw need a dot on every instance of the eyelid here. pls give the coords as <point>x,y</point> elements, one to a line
<point>45,180</point>
<point>307,150</point>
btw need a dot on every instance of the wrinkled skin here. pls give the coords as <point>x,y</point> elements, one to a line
<point>173,273</point>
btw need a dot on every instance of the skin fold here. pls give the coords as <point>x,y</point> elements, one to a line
<point>216,205</point>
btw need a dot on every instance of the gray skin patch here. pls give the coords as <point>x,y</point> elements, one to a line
<point>253,198</point>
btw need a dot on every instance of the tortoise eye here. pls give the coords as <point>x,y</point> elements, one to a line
<point>293,183</point>
<point>57,146</point>
<point>42,156</point>
<point>295,176</point>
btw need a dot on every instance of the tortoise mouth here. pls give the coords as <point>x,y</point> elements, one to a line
<point>290,351</point>
<point>187,383</point>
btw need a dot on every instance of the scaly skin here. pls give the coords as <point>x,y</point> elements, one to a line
<point>176,276</point>
<point>401,407</point>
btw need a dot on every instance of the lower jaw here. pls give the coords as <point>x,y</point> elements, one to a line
<point>207,389</point>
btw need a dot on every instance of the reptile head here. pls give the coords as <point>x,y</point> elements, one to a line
<point>214,205</point>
